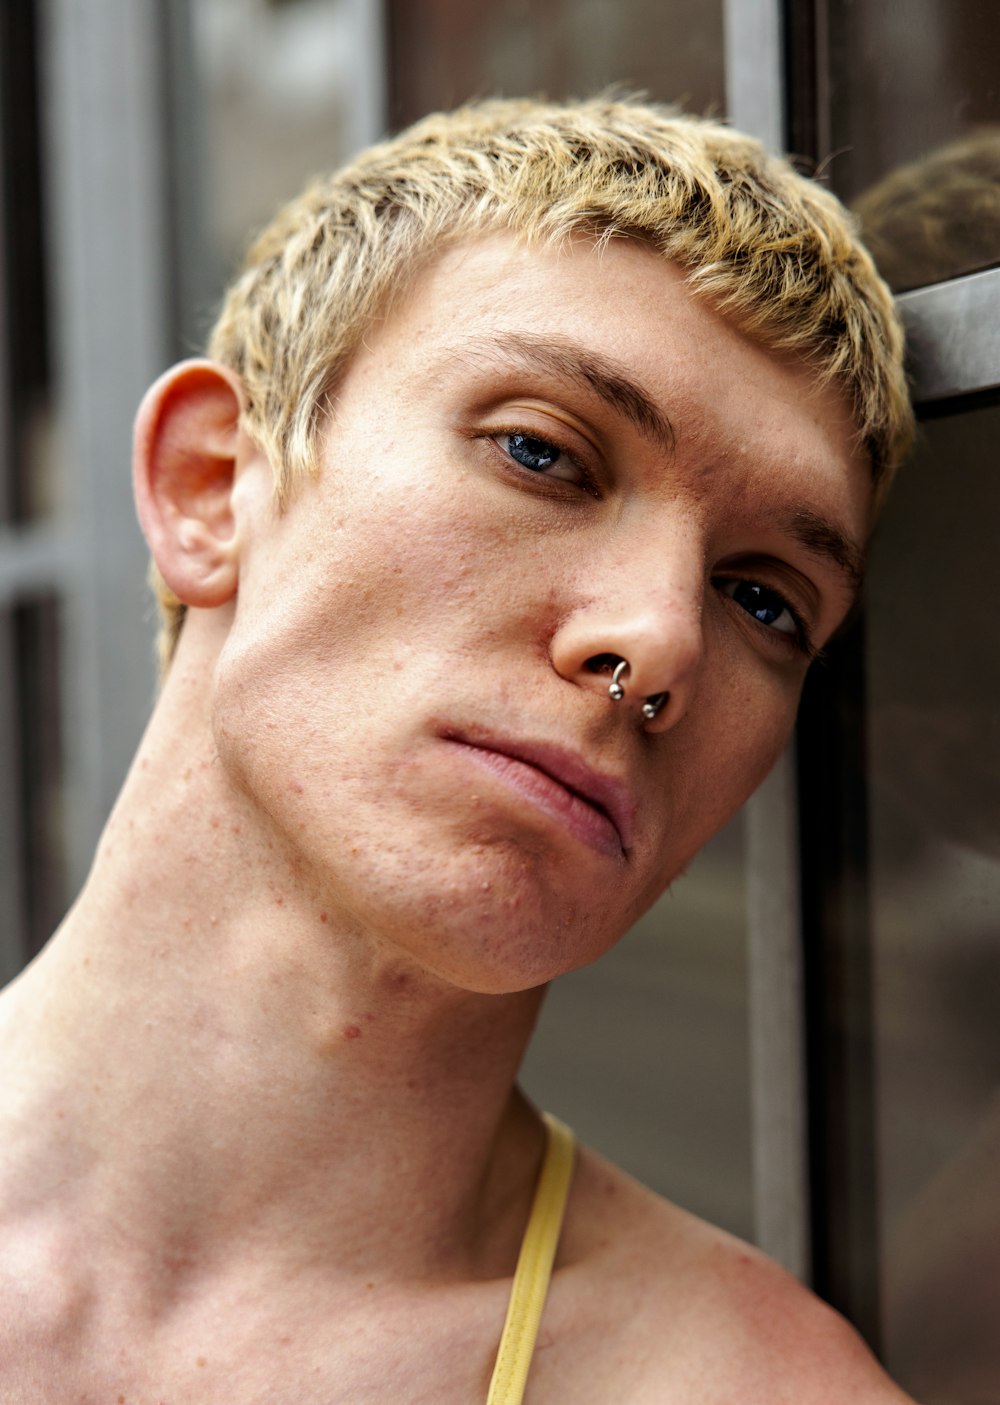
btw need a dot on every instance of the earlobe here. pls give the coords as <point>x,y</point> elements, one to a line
<point>184,462</point>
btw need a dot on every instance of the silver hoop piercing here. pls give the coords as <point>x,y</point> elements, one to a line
<point>653,704</point>
<point>616,689</point>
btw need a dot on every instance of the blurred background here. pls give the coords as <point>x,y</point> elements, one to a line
<point>801,1041</point>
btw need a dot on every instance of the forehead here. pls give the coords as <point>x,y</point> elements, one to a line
<point>619,323</point>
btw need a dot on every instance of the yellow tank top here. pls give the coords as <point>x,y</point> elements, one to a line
<point>534,1268</point>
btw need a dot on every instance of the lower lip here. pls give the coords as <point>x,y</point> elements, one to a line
<point>576,816</point>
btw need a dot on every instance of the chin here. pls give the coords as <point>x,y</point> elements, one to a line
<point>492,927</point>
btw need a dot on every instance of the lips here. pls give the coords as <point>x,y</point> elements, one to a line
<point>596,808</point>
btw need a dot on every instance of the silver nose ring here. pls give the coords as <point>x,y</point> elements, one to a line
<point>616,692</point>
<point>653,704</point>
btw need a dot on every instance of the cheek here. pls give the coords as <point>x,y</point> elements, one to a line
<point>713,761</point>
<point>348,614</point>
<point>750,737</point>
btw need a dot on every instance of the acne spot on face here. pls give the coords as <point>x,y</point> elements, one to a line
<point>295,787</point>
<point>352,1031</point>
<point>323,917</point>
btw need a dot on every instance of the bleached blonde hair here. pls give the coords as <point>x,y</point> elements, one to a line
<point>769,248</point>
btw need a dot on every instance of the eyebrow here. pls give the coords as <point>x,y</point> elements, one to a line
<point>822,537</point>
<point>561,357</point>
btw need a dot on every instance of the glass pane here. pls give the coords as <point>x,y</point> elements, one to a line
<point>32,872</point>
<point>914,137</point>
<point>933,665</point>
<point>13,919</point>
<point>443,52</point>
<point>27,489</point>
<point>265,96</point>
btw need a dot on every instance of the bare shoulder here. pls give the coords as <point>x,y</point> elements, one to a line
<point>679,1310</point>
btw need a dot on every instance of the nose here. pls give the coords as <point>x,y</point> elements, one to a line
<point>640,647</point>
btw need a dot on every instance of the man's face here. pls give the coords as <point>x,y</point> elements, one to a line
<point>540,459</point>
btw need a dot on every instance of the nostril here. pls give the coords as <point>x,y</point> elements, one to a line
<point>603,663</point>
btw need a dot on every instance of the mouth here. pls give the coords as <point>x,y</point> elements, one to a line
<point>596,809</point>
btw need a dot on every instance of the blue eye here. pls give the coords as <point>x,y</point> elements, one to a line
<point>543,457</point>
<point>529,452</point>
<point>545,460</point>
<point>766,606</point>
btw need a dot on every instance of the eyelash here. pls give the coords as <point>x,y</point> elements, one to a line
<point>799,639</point>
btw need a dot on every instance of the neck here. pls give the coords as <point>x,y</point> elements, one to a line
<point>209,1059</point>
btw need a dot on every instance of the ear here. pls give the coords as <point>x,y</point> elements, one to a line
<point>184,463</point>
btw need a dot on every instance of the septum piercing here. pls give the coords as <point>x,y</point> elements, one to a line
<point>616,692</point>
<point>653,704</point>
<point>616,689</point>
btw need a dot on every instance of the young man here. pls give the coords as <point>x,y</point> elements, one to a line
<point>535,461</point>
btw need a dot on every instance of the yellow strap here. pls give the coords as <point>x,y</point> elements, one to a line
<point>534,1268</point>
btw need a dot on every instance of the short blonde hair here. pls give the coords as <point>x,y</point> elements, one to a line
<point>771,249</point>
